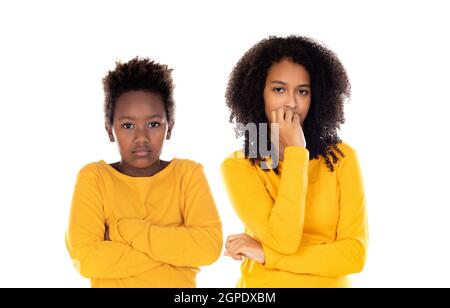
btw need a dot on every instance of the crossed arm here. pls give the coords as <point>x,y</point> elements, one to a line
<point>343,256</point>
<point>132,246</point>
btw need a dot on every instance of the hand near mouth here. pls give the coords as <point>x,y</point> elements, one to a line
<point>290,130</point>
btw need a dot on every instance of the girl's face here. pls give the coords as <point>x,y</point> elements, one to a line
<point>288,86</point>
<point>139,127</point>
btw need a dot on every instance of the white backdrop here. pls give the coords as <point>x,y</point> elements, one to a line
<point>54,54</point>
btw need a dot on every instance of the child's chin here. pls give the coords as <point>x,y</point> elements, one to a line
<point>143,162</point>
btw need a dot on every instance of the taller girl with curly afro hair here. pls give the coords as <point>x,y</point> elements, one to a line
<point>304,213</point>
<point>330,87</point>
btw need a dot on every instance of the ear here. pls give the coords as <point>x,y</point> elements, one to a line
<point>169,131</point>
<point>108,129</point>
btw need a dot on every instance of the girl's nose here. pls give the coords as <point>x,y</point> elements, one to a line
<point>141,135</point>
<point>291,103</point>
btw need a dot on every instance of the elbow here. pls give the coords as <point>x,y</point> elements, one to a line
<point>213,253</point>
<point>360,263</point>
<point>79,260</point>
<point>217,250</point>
<point>359,259</point>
<point>85,268</point>
<point>84,273</point>
<point>213,250</point>
<point>74,255</point>
<point>79,264</point>
<point>357,266</point>
<point>212,257</point>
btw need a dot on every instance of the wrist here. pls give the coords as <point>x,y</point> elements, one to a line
<point>114,233</point>
<point>295,142</point>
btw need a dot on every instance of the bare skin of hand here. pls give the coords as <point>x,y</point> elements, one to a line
<point>290,130</point>
<point>242,245</point>
<point>107,234</point>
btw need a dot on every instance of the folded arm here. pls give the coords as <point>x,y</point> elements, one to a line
<point>91,254</point>
<point>197,242</point>
<point>276,223</point>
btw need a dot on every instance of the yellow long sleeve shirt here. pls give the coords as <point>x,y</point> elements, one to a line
<point>162,228</point>
<point>311,223</point>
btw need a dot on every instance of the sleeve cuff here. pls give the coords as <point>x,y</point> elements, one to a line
<point>135,233</point>
<point>114,233</point>
<point>269,256</point>
<point>296,152</point>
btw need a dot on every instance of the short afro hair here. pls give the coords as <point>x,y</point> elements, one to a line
<point>330,87</point>
<point>139,74</point>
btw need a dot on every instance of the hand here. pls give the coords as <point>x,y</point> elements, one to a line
<point>290,129</point>
<point>242,245</point>
<point>107,234</point>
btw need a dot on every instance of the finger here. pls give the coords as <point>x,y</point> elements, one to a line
<point>288,115</point>
<point>280,115</point>
<point>296,119</point>
<point>237,257</point>
<point>234,236</point>
<point>273,116</point>
<point>227,253</point>
<point>232,249</point>
<point>238,248</point>
<point>231,238</point>
<point>227,242</point>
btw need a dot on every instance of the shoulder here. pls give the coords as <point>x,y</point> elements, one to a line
<point>237,166</point>
<point>186,168</point>
<point>188,173</point>
<point>186,165</point>
<point>346,149</point>
<point>350,156</point>
<point>91,174</point>
<point>91,169</point>
<point>236,158</point>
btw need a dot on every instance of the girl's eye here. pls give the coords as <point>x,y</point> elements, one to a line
<point>278,90</point>
<point>303,92</point>
<point>154,124</point>
<point>127,125</point>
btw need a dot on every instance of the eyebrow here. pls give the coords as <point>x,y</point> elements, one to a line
<point>285,83</point>
<point>147,118</point>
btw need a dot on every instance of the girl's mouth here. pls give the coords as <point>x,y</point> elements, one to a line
<point>142,152</point>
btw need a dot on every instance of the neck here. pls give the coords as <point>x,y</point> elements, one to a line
<point>130,170</point>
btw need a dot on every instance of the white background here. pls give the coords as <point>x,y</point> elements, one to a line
<point>54,54</point>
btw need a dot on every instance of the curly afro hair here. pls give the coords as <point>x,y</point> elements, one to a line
<point>330,87</point>
<point>139,74</point>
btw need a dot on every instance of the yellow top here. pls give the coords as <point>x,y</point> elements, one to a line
<point>162,228</point>
<point>311,222</point>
